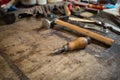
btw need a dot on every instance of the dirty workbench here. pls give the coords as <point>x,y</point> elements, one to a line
<point>25,51</point>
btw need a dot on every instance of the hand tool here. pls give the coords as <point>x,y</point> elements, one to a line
<point>85,32</point>
<point>108,54</point>
<point>107,25</point>
<point>112,27</point>
<point>79,43</point>
<point>95,27</point>
<point>89,26</point>
<point>67,11</point>
<point>94,6</point>
<point>81,19</point>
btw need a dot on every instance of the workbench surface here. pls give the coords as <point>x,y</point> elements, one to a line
<point>26,48</point>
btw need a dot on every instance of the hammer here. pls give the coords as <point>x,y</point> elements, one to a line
<point>78,29</point>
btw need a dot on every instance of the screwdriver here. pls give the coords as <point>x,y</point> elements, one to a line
<point>79,43</point>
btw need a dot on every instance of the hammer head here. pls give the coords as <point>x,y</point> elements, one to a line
<point>49,23</point>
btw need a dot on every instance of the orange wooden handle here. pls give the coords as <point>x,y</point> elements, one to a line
<point>86,32</point>
<point>78,43</point>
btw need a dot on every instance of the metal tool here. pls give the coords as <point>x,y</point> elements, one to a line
<point>79,43</point>
<point>96,27</point>
<point>104,26</point>
<point>89,24</point>
<point>107,25</point>
<point>112,28</point>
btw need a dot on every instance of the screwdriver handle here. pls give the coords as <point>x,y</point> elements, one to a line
<point>78,43</point>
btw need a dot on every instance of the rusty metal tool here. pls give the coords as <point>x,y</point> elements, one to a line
<point>79,43</point>
<point>80,30</point>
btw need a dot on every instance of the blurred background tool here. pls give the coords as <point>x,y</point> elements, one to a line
<point>89,24</point>
<point>79,43</point>
<point>67,11</point>
<point>81,19</point>
<point>106,25</point>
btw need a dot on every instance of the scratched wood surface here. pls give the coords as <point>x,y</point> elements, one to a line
<point>28,47</point>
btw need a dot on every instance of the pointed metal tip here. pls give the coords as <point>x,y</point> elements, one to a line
<point>58,51</point>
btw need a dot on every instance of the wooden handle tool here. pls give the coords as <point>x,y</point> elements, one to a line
<point>67,11</point>
<point>85,32</point>
<point>79,43</point>
<point>81,20</point>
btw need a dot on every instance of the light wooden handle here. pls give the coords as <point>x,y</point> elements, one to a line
<point>85,32</point>
<point>67,11</point>
<point>81,20</point>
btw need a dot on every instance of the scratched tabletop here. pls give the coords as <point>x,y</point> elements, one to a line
<point>25,48</point>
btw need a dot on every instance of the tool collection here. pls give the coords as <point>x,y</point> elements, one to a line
<point>58,14</point>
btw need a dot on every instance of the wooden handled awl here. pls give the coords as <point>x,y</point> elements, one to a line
<point>79,43</point>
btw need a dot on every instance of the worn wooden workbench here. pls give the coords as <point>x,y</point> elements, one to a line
<point>26,49</point>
